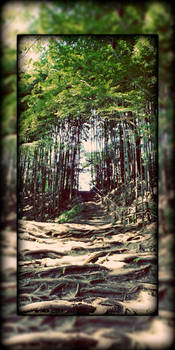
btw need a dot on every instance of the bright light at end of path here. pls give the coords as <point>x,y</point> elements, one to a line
<point>88,146</point>
<point>85,177</point>
<point>84,180</point>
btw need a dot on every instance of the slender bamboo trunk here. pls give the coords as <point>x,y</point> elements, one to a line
<point>121,155</point>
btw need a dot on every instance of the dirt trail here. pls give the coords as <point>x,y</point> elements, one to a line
<point>93,214</point>
<point>94,332</point>
<point>87,266</point>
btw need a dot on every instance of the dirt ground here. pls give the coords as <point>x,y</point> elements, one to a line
<point>86,267</point>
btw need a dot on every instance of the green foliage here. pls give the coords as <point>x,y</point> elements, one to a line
<point>66,216</point>
<point>70,18</point>
<point>73,75</point>
<point>153,208</point>
<point>136,260</point>
<point>63,270</point>
<point>89,17</point>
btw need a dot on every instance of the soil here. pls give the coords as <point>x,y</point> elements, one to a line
<point>91,269</point>
<point>88,266</point>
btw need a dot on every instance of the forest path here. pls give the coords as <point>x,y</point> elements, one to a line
<point>87,266</point>
<point>93,213</point>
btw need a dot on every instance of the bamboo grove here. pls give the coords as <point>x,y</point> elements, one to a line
<point>76,88</point>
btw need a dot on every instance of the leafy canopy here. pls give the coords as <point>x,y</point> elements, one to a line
<point>67,77</point>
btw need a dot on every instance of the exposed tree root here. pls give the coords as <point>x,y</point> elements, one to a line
<point>90,269</point>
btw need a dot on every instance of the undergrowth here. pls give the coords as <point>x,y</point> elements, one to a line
<point>67,215</point>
